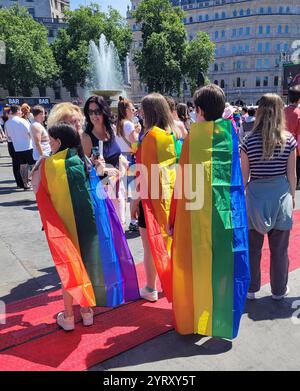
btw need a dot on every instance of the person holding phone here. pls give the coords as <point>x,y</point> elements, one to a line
<point>127,134</point>
<point>99,128</point>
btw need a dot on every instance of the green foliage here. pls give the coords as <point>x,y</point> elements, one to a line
<point>85,24</point>
<point>167,58</point>
<point>199,55</point>
<point>160,62</point>
<point>29,59</point>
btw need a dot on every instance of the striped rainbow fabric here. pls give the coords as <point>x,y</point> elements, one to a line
<point>158,153</point>
<point>85,237</point>
<point>210,258</point>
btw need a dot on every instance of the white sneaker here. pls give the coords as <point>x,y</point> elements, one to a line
<point>279,297</point>
<point>251,295</point>
<point>87,317</point>
<point>149,296</point>
<point>67,324</point>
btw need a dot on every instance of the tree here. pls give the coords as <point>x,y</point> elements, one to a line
<point>29,59</point>
<point>199,55</point>
<point>167,58</point>
<point>72,44</point>
<point>160,62</point>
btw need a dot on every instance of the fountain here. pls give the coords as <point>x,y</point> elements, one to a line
<point>104,76</point>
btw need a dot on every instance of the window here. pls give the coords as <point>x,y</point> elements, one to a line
<point>276,81</point>
<point>216,67</point>
<point>258,81</point>
<point>216,34</point>
<point>259,47</point>
<point>260,30</point>
<point>244,83</point>
<point>248,11</point>
<point>238,82</point>
<point>268,29</point>
<point>223,33</point>
<point>32,12</point>
<point>279,30</point>
<point>191,19</point>
<point>222,84</point>
<point>286,30</point>
<point>247,30</point>
<point>259,63</point>
<point>216,82</point>
<point>266,81</point>
<point>268,47</point>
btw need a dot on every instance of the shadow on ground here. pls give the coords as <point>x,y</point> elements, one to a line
<point>34,286</point>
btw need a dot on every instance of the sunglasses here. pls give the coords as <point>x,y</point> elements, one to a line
<point>96,112</point>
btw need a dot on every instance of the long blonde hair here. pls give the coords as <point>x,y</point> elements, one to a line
<point>270,123</point>
<point>157,113</point>
<point>62,112</point>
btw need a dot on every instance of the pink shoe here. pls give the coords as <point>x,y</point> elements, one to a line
<point>67,324</point>
<point>87,317</point>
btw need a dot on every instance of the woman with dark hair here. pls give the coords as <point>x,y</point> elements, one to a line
<point>84,234</point>
<point>99,129</point>
<point>184,116</point>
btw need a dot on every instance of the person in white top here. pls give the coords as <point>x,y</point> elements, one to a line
<point>17,130</point>
<point>40,138</point>
<point>126,135</point>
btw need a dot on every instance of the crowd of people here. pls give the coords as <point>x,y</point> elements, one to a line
<point>241,165</point>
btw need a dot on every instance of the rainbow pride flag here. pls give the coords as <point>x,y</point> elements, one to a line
<point>210,261</point>
<point>158,152</point>
<point>84,234</point>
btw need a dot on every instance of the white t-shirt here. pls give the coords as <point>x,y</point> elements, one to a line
<point>128,129</point>
<point>17,129</point>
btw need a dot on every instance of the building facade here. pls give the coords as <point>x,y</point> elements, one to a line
<point>253,39</point>
<point>49,13</point>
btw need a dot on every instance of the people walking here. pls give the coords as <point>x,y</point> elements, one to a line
<point>18,132</point>
<point>268,157</point>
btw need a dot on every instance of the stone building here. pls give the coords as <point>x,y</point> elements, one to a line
<point>253,39</point>
<point>49,13</point>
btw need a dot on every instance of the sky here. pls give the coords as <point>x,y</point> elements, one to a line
<point>120,5</point>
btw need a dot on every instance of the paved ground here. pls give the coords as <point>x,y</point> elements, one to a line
<point>268,339</point>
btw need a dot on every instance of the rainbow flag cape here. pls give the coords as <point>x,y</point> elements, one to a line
<point>85,237</point>
<point>210,258</point>
<point>158,153</point>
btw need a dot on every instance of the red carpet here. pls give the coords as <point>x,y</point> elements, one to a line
<point>32,341</point>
